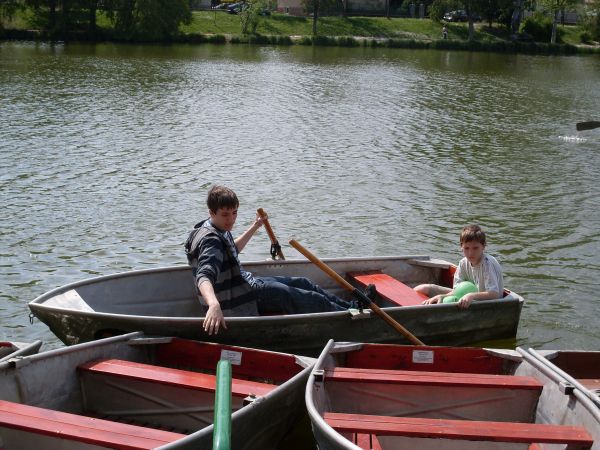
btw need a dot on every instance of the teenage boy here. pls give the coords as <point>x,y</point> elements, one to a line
<point>226,289</point>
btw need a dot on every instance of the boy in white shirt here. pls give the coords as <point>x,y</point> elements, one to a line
<point>481,269</point>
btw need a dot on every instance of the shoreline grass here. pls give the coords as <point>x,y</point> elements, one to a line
<point>280,29</point>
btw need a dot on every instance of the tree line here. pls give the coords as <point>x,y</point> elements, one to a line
<point>130,19</point>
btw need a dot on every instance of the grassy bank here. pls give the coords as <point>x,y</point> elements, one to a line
<point>281,29</point>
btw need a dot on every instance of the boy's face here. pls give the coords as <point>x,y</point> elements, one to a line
<point>473,250</point>
<point>224,218</point>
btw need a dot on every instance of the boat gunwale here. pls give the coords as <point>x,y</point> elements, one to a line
<point>317,421</point>
<point>39,302</point>
<point>269,262</point>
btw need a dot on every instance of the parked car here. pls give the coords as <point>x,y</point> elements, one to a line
<point>460,16</point>
<point>235,8</point>
<point>456,16</point>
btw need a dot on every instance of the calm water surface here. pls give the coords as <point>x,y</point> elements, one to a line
<point>107,153</point>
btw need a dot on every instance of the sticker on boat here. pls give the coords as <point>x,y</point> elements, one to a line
<point>422,356</point>
<point>233,357</point>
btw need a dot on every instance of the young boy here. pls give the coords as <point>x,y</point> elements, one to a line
<point>478,267</point>
<point>226,288</point>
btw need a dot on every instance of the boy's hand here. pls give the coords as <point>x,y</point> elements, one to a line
<point>260,220</point>
<point>433,300</point>
<point>466,300</point>
<point>214,319</point>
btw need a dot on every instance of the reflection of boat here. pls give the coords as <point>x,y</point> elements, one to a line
<point>10,349</point>
<point>369,396</point>
<point>163,302</point>
<point>125,391</point>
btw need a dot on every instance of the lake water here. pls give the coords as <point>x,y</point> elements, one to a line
<point>107,152</point>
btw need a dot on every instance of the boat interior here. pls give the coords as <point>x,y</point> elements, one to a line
<point>128,392</point>
<point>170,292</point>
<point>379,396</point>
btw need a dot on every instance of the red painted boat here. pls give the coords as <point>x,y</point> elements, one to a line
<point>135,392</point>
<point>382,396</point>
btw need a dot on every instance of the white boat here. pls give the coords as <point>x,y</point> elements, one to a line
<point>164,302</point>
<point>12,349</point>
<point>370,396</point>
<point>135,392</point>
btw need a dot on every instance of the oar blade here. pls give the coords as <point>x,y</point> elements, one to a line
<point>590,125</point>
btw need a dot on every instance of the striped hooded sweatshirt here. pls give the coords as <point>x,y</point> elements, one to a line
<point>212,258</point>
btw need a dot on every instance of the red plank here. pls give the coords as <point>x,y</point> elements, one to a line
<point>82,429</point>
<point>443,359</point>
<point>366,441</point>
<point>172,377</point>
<point>472,430</point>
<point>388,287</point>
<point>407,377</point>
<point>205,356</point>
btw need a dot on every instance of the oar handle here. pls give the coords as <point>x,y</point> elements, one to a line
<point>261,212</point>
<point>345,284</point>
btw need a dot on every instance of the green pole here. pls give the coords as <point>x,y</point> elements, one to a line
<point>222,423</point>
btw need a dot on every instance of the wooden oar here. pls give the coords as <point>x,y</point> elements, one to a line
<point>357,293</point>
<point>275,247</point>
<point>587,125</point>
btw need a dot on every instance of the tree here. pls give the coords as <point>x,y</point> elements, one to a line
<point>250,15</point>
<point>150,20</point>
<point>555,7</point>
<point>591,19</point>
<point>322,7</point>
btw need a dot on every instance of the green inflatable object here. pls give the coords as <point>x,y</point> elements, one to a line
<point>460,290</point>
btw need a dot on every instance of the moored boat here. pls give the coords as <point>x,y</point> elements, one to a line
<point>374,396</point>
<point>137,392</point>
<point>12,349</point>
<point>164,302</point>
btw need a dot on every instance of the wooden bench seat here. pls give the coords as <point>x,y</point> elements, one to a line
<point>173,377</point>
<point>439,395</point>
<point>347,374</point>
<point>158,396</point>
<point>389,289</point>
<point>45,425</point>
<point>410,427</point>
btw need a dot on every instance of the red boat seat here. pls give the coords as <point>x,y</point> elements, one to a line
<point>172,377</point>
<point>52,428</point>
<point>439,395</point>
<point>366,441</point>
<point>468,430</point>
<point>449,379</point>
<point>389,289</point>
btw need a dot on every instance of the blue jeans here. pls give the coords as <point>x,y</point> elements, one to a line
<point>294,295</point>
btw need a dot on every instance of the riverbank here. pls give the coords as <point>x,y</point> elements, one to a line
<point>281,29</point>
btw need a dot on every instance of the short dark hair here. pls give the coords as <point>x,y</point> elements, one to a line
<point>221,197</point>
<point>472,233</point>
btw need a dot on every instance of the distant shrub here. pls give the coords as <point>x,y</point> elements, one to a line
<point>539,26</point>
<point>324,40</point>
<point>284,40</point>
<point>585,37</point>
<point>347,41</point>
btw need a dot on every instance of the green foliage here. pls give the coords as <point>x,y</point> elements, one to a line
<point>539,27</point>
<point>8,10</point>
<point>591,21</point>
<point>251,14</point>
<point>148,20</point>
